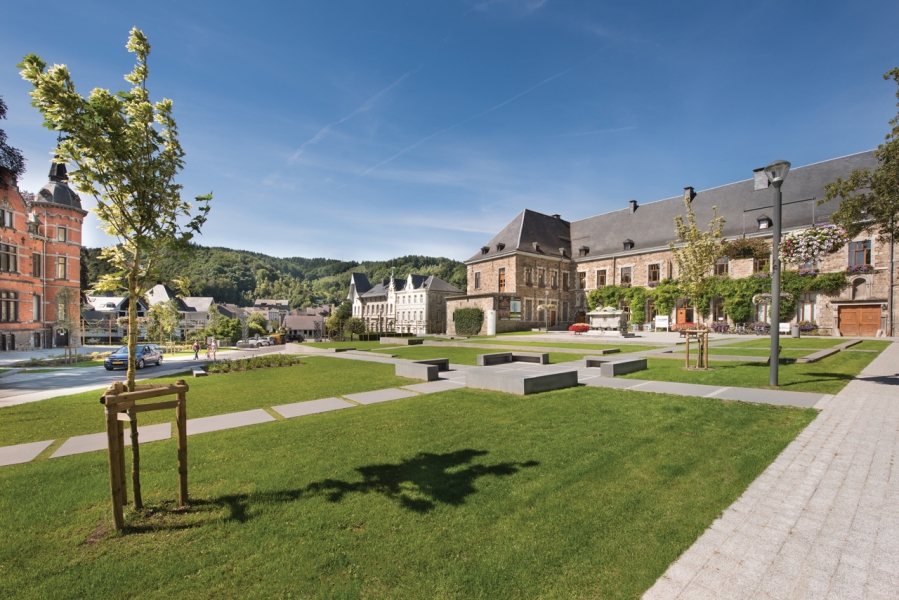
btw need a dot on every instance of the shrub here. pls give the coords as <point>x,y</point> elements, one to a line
<point>746,248</point>
<point>266,361</point>
<point>468,320</point>
<point>579,328</point>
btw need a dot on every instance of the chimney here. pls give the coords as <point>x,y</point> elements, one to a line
<point>689,194</point>
<point>759,180</point>
<point>633,206</point>
<point>556,216</point>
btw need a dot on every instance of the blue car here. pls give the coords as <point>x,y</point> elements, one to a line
<point>144,354</point>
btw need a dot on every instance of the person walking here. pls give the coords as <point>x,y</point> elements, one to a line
<point>196,350</point>
<point>208,351</point>
<point>215,348</point>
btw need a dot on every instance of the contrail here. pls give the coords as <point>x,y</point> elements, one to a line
<point>462,122</point>
<point>365,106</point>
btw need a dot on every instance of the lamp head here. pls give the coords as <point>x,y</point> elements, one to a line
<point>777,171</point>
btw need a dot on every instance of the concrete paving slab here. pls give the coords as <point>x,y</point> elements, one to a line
<point>229,421</point>
<point>22,453</point>
<point>801,399</point>
<point>97,441</point>
<point>380,396</point>
<point>311,407</point>
<point>433,387</point>
<point>681,389</point>
<point>618,384</point>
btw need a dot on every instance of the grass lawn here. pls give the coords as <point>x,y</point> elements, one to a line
<point>827,376</point>
<point>872,345</point>
<point>764,341</point>
<point>319,377</point>
<point>749,352</point>
<point>463,356</point>
<point>60,365</point>
<point>577,493</point>
<point>357,345</point>
<point>587,346</point>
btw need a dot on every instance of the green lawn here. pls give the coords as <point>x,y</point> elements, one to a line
<point>587,346</point>
<point>872,345</point>
<point>578,493</point>
<point>319,377</point>
<point>357,345</point>
<point>788,342</point>
<point>749,352</point>
<point>58,364</point>
<point>464,356</point>
<point>827,376</point>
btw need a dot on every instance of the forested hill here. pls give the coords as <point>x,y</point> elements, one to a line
<point>239,276</point>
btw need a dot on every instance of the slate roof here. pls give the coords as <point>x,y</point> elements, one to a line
<point>652,224</point>
<point>231,311</point>
<point>57,190</point>
<point>270,303</point>
<point>436,284</point>
<point>303,322</point>
<point>419,282</point>
<point>198,303</point>
<point>549,233</point>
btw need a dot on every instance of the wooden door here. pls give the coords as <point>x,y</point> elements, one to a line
<point>685,315</point>
<point>552,318</point>
<point>859,320</point>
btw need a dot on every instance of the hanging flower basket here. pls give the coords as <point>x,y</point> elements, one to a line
<point>811,245</point>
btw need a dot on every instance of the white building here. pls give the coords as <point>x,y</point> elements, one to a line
<point>414,305</point>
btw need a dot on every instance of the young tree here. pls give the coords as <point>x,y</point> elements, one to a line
<point>257,324</point>
<point>126,155</point>
<point>12,163</point>
<point>699,252</point>
<point>869,201</point>
<point>354,325</point>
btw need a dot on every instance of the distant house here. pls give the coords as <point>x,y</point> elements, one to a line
<point>307,326</point>
<point>194,309</point>
<point>232,311</point>
<point>101,313</point>
<point>414,305</point>
<point>274,310</point>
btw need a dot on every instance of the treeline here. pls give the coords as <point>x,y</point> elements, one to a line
<point>240,277</point>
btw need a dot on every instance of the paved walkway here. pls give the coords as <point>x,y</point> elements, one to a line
<point>822,521</point>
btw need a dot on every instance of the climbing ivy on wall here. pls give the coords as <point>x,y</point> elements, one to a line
<point>468,320</point>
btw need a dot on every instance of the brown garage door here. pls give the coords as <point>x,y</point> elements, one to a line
<point>859,320</point>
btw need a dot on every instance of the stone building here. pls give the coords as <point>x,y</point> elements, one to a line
<point>40,264</point>
<point>544,261</point>
<point>414,305</point>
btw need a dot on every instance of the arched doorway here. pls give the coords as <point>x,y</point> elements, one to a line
<point>580,317</point>
<point>62,338</point>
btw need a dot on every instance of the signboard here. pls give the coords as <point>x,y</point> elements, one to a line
<point>515,310</point>
<point>508,309</point>
<point>784,328</point>
<point>661,322</point>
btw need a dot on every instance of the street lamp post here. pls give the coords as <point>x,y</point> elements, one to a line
<point>776,173</point>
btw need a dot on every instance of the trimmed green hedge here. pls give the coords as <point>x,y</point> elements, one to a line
<point>266,361</point>
<point>468,320</point>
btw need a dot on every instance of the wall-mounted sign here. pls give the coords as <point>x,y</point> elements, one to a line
<point>509,309</point>
<point>661,322</point>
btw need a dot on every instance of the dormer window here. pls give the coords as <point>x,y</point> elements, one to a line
<point>485,249</point>
<point>584,250</point>
<point>628,244</point>
<point>562,251</point>
<point>536,247</point>
<point>500,246</point>
<point>765,222</point>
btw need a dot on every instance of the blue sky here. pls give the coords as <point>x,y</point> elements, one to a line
<point>368,130</point>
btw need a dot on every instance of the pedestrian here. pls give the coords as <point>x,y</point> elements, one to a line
<point>215,348</point>
<point>208,351</point>
<point>196,350</point>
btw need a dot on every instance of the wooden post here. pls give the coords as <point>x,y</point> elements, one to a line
<point>120,438</point>
<point>687,336</point>
<point>706,338</point>
<point>115,474</point>
<point>181,423</point>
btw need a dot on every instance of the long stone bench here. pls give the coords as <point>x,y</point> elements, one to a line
<point>199,372</point>
<point>498,358</point>
<point>521,384</point>
<point>622,367</point>
<point>595,361</point>
<point>401,341</point>
<point>417,370</point>
<point>442,363</point>
<point>338,349</point>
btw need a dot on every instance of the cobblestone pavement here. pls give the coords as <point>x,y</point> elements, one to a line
<point>823,520</point>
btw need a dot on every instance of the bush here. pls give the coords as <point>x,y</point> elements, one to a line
<point>579,328</point>
<point>266,361</point>
<point>468,320</point>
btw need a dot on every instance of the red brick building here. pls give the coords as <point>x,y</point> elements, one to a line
<point>40,255</point>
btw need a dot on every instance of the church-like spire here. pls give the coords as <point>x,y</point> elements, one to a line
<point>58,172</point>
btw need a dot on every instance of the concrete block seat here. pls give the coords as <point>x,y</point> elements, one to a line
<point>520,383</point>
<point>499,358</point>
<point>427,369</point>
<point>611,368</point>
<point>400,341</point>
<point>442,363</point>
<point>199,372</point>
<point>339,349</point>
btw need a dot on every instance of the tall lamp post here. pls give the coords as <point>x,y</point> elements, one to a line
<point>776,173</point>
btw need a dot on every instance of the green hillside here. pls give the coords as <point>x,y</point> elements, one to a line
<point>239,276</point>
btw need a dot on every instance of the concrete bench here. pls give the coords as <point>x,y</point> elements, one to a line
<point>417,370</point>
<point>442,363</point>
<point>521,384</point>
<point>400,341</point>
<point>595,361</point>
<point>338,349</point>
<point>499,358</point>
<point>199,372</point>
<point>622,367</point>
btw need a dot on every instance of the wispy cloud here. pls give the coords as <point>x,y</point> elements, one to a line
<point>453,126</point>
<point>594,131</point>
<point>364,107</point>
<point>525,5</point>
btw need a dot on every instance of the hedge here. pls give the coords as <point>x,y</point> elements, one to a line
<point>468,320</point>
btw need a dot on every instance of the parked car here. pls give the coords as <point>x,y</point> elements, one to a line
<point>144,354</point>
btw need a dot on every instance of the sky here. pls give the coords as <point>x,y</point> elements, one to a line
<point>370,130</point>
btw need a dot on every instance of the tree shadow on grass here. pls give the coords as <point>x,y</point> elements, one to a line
<point>417,484</point>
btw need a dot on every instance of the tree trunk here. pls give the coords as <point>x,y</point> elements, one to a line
<point>132,373</point>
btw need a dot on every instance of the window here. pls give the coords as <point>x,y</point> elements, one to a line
<point>761,265</point>
<point>527,276</point>
<point>477,280</point>
<point>541,277</point>
<point>628,244</point>
<point>60,267</point>
<point>565,284</point>
<point>805,311</point>
<point>764,222</point>
<point>718,314</point>
<point>654,273</point>
<point>36,266</point>
<point>5,218</point>
<point>625,275</point>
<point>600,278</point>
<point>528,309</point>
<point>37,307</point>
<point>554,278</point>
<point>564,311</point>
<point>721,266</point>
<point>61,234</point>
<point>9,307</point>
<point>582,280</point>
<point>502,279</point>
<point>8,260</point>
<point>859,253</point>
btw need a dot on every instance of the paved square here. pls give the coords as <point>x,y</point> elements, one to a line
<point>97,441</point>
<point>229,421</point>
<point>22,453</point>
<point>380,396</point>
<point>311,407</point>
<point>435,386</point>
